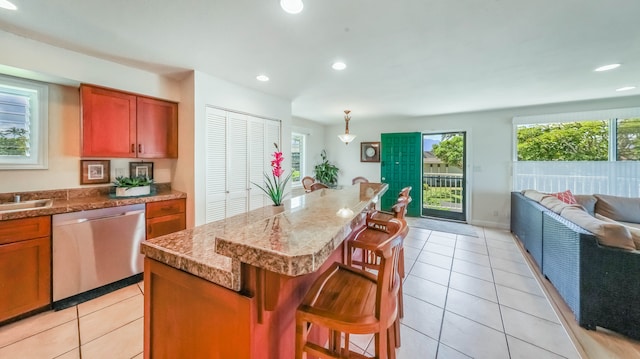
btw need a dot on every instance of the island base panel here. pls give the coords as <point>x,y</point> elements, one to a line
<point>188,317</point>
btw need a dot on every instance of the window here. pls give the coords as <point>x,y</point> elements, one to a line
<point>588,152</point>
<point>297,158</point>
<point>23,124</point>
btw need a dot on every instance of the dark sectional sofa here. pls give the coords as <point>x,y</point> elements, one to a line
<point>600,284</point>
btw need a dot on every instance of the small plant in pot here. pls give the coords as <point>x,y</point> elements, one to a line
<point>132,186</point>
<point>326,172</point>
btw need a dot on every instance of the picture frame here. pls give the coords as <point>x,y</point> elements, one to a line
<point>95,171</point>
<point>369,151</point>
<point>137,169</point>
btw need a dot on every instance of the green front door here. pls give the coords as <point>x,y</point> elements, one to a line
<point>401,166</point>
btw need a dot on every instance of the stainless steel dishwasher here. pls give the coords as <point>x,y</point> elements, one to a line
<point>96,247</point>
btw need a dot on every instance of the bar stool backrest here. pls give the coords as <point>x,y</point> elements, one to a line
<point>388,275</point>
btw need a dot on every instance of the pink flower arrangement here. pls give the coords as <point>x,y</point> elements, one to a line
<point>274,185</point>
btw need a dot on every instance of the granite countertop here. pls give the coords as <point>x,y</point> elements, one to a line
<point>292,240</point>
<point>74,200</point>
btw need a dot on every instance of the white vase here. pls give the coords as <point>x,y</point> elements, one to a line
<point>133,191</point>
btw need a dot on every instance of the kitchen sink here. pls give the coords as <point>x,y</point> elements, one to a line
<point>25,205</point>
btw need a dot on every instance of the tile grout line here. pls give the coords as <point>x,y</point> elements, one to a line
<point>495,287</point>
<point>79,337</point>
<point>444,308</point>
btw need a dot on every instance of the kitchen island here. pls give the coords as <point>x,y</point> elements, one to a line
<point>230,288</point>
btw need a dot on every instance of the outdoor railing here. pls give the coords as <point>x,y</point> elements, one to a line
<point>442,191</point>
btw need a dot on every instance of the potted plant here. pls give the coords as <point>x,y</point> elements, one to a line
<point>132,186</point>
<point>275,185</point>
<point>326,172</point>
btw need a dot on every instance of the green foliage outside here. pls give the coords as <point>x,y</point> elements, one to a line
<point>14,142</point>
<point>572,141</point>
<point>450,150</point>
<point>439,197</point>
<point>326,172</point>
<point>295,176</point>
<point>628,139</point>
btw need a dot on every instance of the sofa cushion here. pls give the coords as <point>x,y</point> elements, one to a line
<point>566,197</point>
<point>633,228</point>
<point>534,195</point>
<point>556,205</point>
<point>608,234</point>
<point>587,201</point>
<point>623,209</point>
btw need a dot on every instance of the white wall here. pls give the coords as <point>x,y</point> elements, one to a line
<point>211,91</point>
<point>65,70</point>
<point>314,132</point>
<point>489,150</point>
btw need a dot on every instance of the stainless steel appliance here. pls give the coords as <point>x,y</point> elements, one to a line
<point>95,248</point>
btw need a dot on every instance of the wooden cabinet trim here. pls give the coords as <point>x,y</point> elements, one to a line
<point>164,208</point>
<point>23,293</point>
<point>15,230</point>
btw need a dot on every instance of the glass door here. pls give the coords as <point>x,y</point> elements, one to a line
<point>443,175</point>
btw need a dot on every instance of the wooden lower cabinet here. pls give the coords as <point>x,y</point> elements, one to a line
<point>165,217</point>
<point>25,266</point>
<point>188,317</point>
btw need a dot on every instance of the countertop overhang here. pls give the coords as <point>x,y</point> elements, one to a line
<point>294,239</point>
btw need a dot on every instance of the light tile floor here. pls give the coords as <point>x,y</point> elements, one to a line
<point>464,297</point>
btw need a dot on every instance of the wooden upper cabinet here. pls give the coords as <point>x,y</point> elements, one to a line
<point>120,124</point>
<point>108,122</point>
<point>157,129</point>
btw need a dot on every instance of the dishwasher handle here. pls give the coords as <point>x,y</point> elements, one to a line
<point>82,220</point>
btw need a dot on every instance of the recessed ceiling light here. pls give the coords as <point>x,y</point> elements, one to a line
<point>292,6</point>
<point>607,67</point>
<point>626,88</point>
<point>262,78</point>
<point>338,66</point>
<point>6,4</point>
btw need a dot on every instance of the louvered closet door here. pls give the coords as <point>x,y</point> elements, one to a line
<point>259,162</point>
<point>237,164</point>
<point>216,164</point>
<point>272,135</point>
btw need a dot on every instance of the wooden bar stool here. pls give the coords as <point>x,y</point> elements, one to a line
<point>368,238</point>
<point>404,193</point>
<point>348,300</point>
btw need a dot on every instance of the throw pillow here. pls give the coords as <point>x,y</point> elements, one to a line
<point>608,234</point>
<point>566,197</point>
<point>635,232</point>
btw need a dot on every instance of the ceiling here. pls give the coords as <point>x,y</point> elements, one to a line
<point>404,58</point>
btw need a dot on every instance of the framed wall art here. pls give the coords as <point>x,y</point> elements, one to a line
<point>369,151</point>
<point>137,169</point>
<point>95,171</point>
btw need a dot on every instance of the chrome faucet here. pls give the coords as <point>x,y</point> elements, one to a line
<point>16,198</point>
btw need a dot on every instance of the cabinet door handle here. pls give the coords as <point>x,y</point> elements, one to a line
<point>149,229</point>
<point>139,148</point>
<point>133,148</point>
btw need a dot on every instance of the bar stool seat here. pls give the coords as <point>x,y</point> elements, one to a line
<point>347,300</point>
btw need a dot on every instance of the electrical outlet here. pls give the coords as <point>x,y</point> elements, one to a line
<point>495,213</point>
<point>119,172</point>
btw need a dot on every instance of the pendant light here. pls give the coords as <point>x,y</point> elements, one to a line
<point>346,137</point>
<point>291,6</point>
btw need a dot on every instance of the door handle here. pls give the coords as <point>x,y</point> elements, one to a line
<point>133,148</point>
<point>139,148</point>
